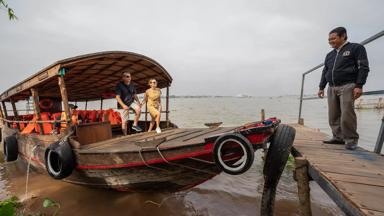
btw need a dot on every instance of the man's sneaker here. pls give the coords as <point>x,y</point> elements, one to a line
<point>334,141</point>
<point>158,130</point>
<point>137,128</point>
<point>351,145</point>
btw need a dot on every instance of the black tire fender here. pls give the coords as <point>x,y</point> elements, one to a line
<point>277,157</point>
<point>246,147</point>
<point>59,160</point>
<point>10,148</point>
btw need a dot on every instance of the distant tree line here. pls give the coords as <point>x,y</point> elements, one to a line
<point>11,13</point>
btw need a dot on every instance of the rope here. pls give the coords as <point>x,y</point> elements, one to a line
<point>183,166</point>
<point>16,121</point>
<point>146,164</point>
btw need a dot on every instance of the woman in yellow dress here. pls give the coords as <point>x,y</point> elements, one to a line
<point>152,98</point>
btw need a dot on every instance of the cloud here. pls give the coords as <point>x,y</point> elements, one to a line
<point>224,47</point>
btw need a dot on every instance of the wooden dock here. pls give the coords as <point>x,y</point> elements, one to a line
<point>353,179</point>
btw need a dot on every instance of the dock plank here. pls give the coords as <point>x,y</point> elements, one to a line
<point>353,179</point>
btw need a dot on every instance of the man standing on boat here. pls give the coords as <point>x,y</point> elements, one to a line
<point>346,70</point>
<point>127,99</point>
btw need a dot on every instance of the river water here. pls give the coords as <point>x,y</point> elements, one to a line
<point>222,195</point>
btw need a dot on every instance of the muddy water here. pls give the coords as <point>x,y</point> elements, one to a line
<point>222,195</point>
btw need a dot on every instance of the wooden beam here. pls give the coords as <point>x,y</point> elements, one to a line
<point>35,96</point>
<point>167,108</point>
<point>15,113</point>
<point>64,98</point>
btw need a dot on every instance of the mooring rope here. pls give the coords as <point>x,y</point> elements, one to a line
<point>179,165</point>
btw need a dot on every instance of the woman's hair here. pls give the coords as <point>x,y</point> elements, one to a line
<point>149,81</point>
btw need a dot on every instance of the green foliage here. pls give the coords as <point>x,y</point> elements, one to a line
<point>8,206</point>
<point>48,203</point>
<point>291,162</point>
<point>11,13</point>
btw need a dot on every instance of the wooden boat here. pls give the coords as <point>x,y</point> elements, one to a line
<point>94,152</point>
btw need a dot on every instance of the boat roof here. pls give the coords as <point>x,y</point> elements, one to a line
<point>91,76</point>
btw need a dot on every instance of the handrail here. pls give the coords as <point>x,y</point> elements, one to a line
<point>364,42</point>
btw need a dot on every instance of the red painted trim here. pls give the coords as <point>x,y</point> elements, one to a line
<point>149,162</point>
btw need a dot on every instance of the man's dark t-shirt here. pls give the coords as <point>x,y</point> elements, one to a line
<point>126,93</point>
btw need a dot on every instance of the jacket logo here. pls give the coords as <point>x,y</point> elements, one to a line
<point>346,53</point>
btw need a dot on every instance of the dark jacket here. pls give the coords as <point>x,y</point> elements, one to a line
<point>348,65</point>
<point>126,93</point>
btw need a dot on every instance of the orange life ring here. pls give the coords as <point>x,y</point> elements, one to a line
<point>46,103</point>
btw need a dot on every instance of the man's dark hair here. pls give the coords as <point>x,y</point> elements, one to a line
<point>340,31</point>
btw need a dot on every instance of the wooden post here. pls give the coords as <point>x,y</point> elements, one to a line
<point>64,98</point>
<point>15,113</point>
<point>262,115</point>
<point>167,108</point>
<point>303,190</point>
<point>301,121</point>
<point>35,96</point>
<point>2,116</point>
<point>5,112</point>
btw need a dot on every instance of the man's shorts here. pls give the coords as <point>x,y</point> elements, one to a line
<point>125,113</point>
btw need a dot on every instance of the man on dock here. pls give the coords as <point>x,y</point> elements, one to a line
<point>127,99</point>
<point>346,70</point>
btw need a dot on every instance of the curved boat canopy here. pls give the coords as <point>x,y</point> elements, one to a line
<point>90,77</point>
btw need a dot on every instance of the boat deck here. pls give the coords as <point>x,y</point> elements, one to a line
<point>353,179</point>
<point>170,138</point>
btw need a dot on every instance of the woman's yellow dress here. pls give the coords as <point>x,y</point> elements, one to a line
<point>153,101</point>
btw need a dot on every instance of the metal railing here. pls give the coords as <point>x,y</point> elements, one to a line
<point>380,139</point>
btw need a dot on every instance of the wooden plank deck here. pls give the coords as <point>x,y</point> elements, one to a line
<point>168,138</point>
<point>353,179</point>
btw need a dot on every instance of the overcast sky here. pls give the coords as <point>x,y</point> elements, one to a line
<point>221,47</point>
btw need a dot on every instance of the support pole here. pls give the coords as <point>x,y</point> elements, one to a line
<point>64,98</point>
<point>5,112</point>
<point>301,98</point>
<point>146,117</point>
<point>86,105</point>
<point>101,104</point>
<point>303,190</point>
<point>15,113</point>
<point>380,138</point>
<point>2,116</point>
<point>167,108</point>
<point>36,106</point>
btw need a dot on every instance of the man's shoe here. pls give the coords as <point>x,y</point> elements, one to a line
<point>334,141</point>
<point>137,128</point>
<point>351,146</point>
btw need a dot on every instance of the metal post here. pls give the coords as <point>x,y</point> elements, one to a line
<point>380,138</point>
<point>86,105</point>
<point>167,108</point>
<point>101,104</point>
<point>301,98</point>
